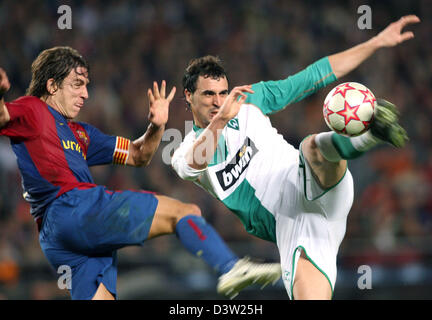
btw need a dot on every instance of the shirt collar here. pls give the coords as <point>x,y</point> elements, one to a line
<point>57,115</point>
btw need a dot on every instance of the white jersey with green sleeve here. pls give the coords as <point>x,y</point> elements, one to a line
<point>251,157</point>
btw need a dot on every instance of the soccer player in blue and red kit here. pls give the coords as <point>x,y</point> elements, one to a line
<point>81,224</point>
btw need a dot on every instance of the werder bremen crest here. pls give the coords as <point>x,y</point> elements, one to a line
<point>233,124</point>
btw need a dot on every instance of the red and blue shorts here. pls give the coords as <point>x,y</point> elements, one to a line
<point>83,229</point>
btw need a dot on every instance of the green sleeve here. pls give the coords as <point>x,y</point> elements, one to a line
<point>273,96</point>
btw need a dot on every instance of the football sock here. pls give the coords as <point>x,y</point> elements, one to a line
<point>335,147</point>
<point>202,240</point>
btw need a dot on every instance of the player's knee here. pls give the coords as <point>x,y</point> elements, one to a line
<point>193,209</point>
<point>311,150</point>
<point>188,209</point>
<point>169,212</point>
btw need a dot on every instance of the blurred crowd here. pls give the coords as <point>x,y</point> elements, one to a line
<point>129,44</point>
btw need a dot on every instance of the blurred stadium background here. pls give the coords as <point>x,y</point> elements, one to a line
<point>131,43</point>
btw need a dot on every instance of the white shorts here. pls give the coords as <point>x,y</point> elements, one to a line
<point>313,220</point>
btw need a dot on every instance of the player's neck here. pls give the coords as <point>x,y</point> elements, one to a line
<point>49,100</point>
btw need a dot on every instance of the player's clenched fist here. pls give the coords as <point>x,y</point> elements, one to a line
<point>4,83</point>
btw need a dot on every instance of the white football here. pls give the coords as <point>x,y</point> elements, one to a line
<point>349,109</point>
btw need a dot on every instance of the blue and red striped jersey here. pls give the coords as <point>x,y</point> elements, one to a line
<point>54,154</point>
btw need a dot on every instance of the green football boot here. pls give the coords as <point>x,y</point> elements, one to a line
<point>385,125</point>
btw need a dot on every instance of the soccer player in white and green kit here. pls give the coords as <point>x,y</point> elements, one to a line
<point>299,199</point>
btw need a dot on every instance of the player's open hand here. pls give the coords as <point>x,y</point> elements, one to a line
<point>159,104</point>
<point>393,35</point>
<point>4,82</point>
<point>231,106</point>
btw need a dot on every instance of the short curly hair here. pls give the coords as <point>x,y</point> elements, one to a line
<point>207,66</point>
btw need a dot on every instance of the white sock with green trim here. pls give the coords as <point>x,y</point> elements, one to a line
<point>335,147</point>
<point>326,146</point>
<point>364,142</point>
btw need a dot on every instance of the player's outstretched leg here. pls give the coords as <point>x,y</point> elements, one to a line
<point>202,240</point>
<point>326,154</point>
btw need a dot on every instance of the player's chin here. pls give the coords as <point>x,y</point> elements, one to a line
<point>74,113</point>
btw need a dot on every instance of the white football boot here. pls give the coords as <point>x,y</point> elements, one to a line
<point>245,273</point>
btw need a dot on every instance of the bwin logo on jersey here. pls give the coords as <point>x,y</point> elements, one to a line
<point>232,172</point>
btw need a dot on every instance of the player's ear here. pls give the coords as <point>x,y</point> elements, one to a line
<point>51,86</point>
<point>188,97</point>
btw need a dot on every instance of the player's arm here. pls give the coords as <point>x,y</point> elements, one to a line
<point>344,62</point>
<point>4,87</point>
<point>203,149</point>
<point>141,150</point>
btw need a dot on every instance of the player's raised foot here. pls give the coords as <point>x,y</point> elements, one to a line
<point>385,125</point>
<point>245,273</point>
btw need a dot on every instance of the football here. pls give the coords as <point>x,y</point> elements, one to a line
<point>349,109</point>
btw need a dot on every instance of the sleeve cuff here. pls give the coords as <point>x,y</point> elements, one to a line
<point>185,171</point>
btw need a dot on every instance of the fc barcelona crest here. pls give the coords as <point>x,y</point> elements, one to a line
<point>83,137</point>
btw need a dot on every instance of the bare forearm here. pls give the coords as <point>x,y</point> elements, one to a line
<point>393,35</point>
<point>205,146</point>
<point>144,148</point>
<point>346,61</point>
<point>203,150</point>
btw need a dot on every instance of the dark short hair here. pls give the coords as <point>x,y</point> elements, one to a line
<point>54,63</point>
<point>207,66</point>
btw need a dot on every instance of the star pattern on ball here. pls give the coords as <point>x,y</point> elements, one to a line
<point>368,97</point>
<point>366,123</point>
<point>343,88</point>
<point>327,111</point>
<point>349,112</point>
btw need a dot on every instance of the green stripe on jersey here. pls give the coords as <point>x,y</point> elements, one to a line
<point>257,220</point>
<point>221,151</point>
<point>314,264</point>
